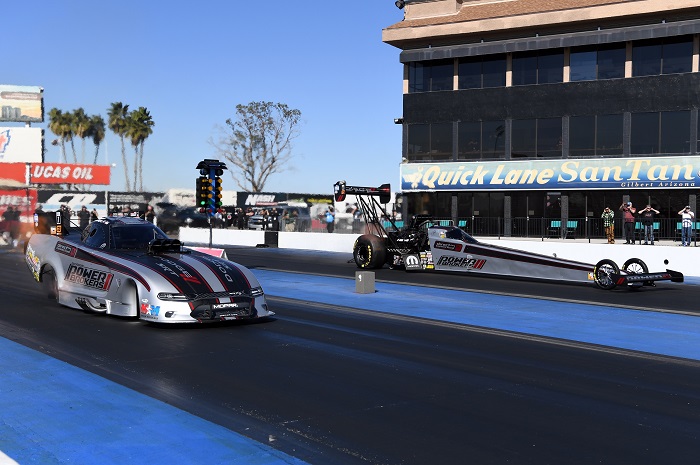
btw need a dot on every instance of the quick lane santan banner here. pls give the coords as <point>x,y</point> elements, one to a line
<point>607,173</point>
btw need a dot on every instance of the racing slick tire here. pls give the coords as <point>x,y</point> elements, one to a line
<point>636,266</point>
<point>369,252</point>
<point>50,283</point>
<point>602,271</point>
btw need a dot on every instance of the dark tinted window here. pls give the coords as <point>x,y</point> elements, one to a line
<point>418,77</point>
<point>524,69</point>
<point>646,58</point>
<point>524,135</point>
<point>678,56</point>
<point>645,133</point>
<point>550,67</point>
<point>583,65</point>
<point>494,71</point>
<point>675,132</point>
<point>481,140</point>
<point>478,72</point>
<point>429,76</point>
<point>441,141</point>
<point>549,138</point>
<point>582,136</point>
<point>418,141</point>
<point>493,137</point>
<point>609,135</point>
<point>442,76</point>
<point>470,73</point>
<point>611,62</point>
<point>469,140</point>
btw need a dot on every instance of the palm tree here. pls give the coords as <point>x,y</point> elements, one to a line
<point>97,133</point>
<point>59,124</point>
<point>81,127</point>
<point>139,125</point>
<point>118,114</point>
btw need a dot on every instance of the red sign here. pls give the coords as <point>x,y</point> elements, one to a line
<point>13,174</point>
<point>63,173</point>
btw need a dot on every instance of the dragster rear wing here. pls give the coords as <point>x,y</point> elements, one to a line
<point>340,190</point>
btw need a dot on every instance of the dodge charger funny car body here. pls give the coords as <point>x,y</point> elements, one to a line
<point>128,267</point>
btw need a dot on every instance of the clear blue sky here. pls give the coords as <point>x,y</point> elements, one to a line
<point>191,63</point>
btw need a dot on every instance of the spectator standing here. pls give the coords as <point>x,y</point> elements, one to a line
<point>687,217</point>
<point>150,215</point>
<point>83,217</point>
<point>628,212</point>
<point>93,215</point>
<point>608,217</point>
<point>647,217</point>
<point>330,219</point>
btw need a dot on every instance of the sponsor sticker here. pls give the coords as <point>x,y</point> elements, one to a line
<point>224,305</point>
<point>412,262</point>
<point>89,277</point>
<point>467,262</point>
<point>150,311</point>
<point>65,249</point>
<point>448,246</point>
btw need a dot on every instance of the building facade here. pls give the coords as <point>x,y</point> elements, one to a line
<point>524,115</point>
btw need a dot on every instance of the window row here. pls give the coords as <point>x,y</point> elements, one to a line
<point>649,57</point>
<point>652,133</point>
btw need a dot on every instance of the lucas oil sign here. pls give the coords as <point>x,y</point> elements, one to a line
<point>609,173</point>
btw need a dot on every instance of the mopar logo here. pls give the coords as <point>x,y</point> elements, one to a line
<point>223,306</point>
<point>412,262</point>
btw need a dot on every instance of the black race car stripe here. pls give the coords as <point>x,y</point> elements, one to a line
<point>238,279</point>
<point>519,256</point>
<point>89,257</point>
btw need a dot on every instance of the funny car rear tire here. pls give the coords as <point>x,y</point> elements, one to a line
<point>369,251</point>
<point>602,271</point>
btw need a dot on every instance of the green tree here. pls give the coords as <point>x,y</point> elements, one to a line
<point>258,142</point>
<point>60,125</point>
<point>117,116</point>
<point>139,127</point>
<point>97,133</point>
<point>81,125</point>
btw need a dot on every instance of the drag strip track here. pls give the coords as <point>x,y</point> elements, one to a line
<point>343,386</point>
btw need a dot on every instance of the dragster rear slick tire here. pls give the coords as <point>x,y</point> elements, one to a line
<point>369,252</point>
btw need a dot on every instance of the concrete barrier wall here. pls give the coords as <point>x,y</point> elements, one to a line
<point>658,258</point>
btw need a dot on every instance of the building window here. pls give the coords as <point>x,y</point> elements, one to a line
<point>536,138</point>
<point>538,67</point>
<point>662,56</point>
<point>429,142</point>
<point>481,140</point>
<point>609,135</point>
<point>645,133</point>
<point>430,76</point>
<point>675,132</point>
<point>479,72</point>
<point>591,63</point>
<point>582,136</point>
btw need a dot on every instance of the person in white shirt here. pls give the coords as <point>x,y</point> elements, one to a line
<point>687,217</point>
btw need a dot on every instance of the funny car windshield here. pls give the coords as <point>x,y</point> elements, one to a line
<point>134,236</point>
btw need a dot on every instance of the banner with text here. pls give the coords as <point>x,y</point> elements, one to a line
<point>599,173</point>
<point>69,173</point>
<point>22,104</point>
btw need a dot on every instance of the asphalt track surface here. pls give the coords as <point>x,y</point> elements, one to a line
<point>330,383</point>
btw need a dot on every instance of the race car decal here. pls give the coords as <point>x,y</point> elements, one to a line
<point>228,274</point>
<point>519,256</point>
<point>89,277</point>
<point>65,249</point>
<point>461,262</point>
<point>448,246</point>
<point>149,311</point>
<point>33,262</point>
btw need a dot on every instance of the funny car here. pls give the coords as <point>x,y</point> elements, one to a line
<point>429,245</point>
<point>128,267</point>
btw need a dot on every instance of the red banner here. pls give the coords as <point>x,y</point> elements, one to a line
<point>63,173</point>
<point>13,174</point>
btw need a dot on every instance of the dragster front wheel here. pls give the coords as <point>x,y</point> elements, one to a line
<point>369,251</point>
<point>602,271</point>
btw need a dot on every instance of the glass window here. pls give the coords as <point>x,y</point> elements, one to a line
<point>609,135</point>
<point>678,55</point>
<point>549,138</point>
<point>430,76</point>
<point>469,74</point>
<point>523,137</point>
<point>582,136</point>
<point>469,141</point>
<point>550,67</point>
<point>524,69</point>
<point>441,141</point>
<point>493,136</point>
<point>494,71</point>
<point>675,132</point>
<point>645,133</point>
<point>583,64</point>
<point>442,75</point>
<point>418,142</point>
<point>646,58</point>
<point>611,62</point>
